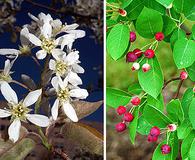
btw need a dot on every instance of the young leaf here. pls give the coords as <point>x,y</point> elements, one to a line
<point>149,23</point>
<point>183,53</point>
<point>118,41</point>
<point>175,111</point>
<point>155,117</point>
<point>116,97</point>
<point>133,125</point>
<point>191,113</point>
<point>143,126</point>
<point>165,3</point>
<point>151,81</point>
<point>191,71</point>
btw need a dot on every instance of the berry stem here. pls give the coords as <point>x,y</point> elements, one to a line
<point>146,45</point>
<point>178,89</point>
<point>169,13</point>
<point>168,136</point>
<point>169,81</point>
<point>112,6</point>
<point>153,44</point>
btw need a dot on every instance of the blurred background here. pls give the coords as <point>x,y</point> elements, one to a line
<point>119,75</point>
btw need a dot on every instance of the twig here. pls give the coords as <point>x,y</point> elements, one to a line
<point>178,89</point>
<point>171,80</point>
<point>36,61</point>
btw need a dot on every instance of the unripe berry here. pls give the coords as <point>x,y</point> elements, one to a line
<point>152,138</point>
<point>183,75</point>
<point>159,36</point>
<point>135,101</point>
<point>121,110</point>
<point>172,127</point>
<point>165,149</point>
<point>122,12</point>
<point>137,52</point>
<point>131,57</point>
<point>120,127</point>
<point>155,131</point>
<point>135,66</point>
<point>149,53</point>
<point>128,117</point>
<point>132,36</point>
<point>146,67</point>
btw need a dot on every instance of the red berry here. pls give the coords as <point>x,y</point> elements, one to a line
<point>122,12</point>
<point>131,57</point>
<point>132,36</point>
<point>146,67</point>
<point>159,36</point>
<point>121,110</point>
<point>120,127</point>
<point>128,117</point>
<point>165,149</point>
<point>152,138</point>
<point>155,131</point>
<point>135,101</point>
<point>137,52</point>
<point>183,75</point>
<point>149,53</point>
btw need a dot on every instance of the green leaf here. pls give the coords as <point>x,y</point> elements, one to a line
<point>186,145</point>
<point>155,5</point>
<point>110,22</point>
<point>165,3</point>
<point>177,34</point>
<point>169,25</point>
<point>154,76</point>
<point>118,41</point>
<point>155,117</point>
<point>184,129</point>
<point>116,97</point>
<point>158,103</point>
<point>175,111</point>
<point>193,31</point>
<point>133,125</point>
<point>125,3</point>
<point>191,112</point>
<point>186,100</point>
<point>134,9</point>
<point>135,88</point>
<point>192,150</point>
<point>143,126</point>
<point>183,53</point>
<point>149,23</point>
<point>191,71</point>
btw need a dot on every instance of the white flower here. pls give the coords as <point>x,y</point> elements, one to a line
<point>5,74</point>
<point>67,65</point>
<point>64,98</point>
<point>19,111</point>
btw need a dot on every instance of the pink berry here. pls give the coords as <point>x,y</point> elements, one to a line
<point>159,36</point>
<point>132,36</point>
<point>155,131</point>
<point>172,127</point>
<point>152,138</point>
<point>131,57</point>
<point>146,67</point>
<point>165,149</point>
<point>135,101</point>
<point>121,110</point>
<point>135,66</point>
<point>120,127</point>
<point>122,12</point>
<point>128,117</point>
<point>183,75</point>
<point>149,53</point>
<point>137,52</point>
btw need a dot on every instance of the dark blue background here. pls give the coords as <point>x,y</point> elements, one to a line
<point>91,55</point>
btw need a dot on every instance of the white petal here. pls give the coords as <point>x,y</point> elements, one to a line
<point>52,65</point>
<point>79,93</point>
<point>70,27</point>
<point>7,67</point>
<point>24,39</point>
<point>41,54</point>
<point>57,53</point>
<point>66,39</point>
<point>33,17</point>
<point>70,112</point>
<point>9,93</point>
<point>14,130</point>
<point>32,97</point>
<point>54,82</point>
<point>36,41</point>
<point>4,113</point>
<point>46,30</point>
<point>54,109</point>
<point>63,83</point>
<point>72,57</point>
<point>77,33</point>
<point>9,52</point>
<point>38,119</point>
<point>77,68</point>
<point>74,79</point>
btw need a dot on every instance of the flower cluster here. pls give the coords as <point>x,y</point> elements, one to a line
<point>54,42</point>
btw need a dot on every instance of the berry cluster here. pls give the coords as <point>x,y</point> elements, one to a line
<point>137,53</point>
<point>127,116</point>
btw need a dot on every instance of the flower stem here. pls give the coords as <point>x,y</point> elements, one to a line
<point>21,84</point>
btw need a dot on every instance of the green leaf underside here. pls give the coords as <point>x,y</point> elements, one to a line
<point>149,23</point>
<point>118,41</point>
<point>116,97</point>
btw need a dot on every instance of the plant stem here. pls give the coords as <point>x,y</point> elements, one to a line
<point>21,84</point>
<point>171,80</point>
<point>178,89</point>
